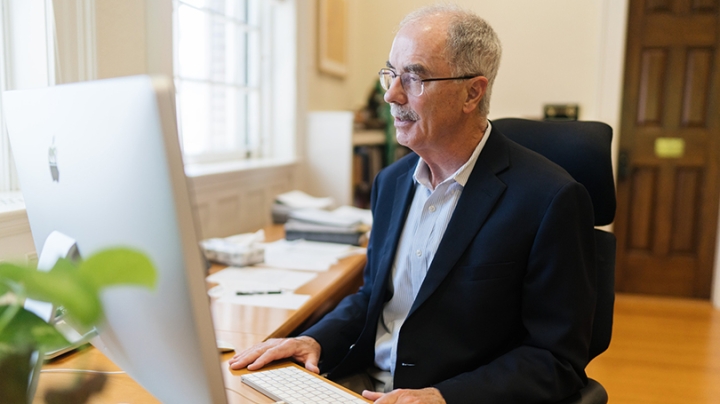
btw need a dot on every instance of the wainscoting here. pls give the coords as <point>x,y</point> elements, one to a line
<point>239,201</point>
<point>16,242</point>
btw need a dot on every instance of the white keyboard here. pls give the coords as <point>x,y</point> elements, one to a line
<point>294,386</point>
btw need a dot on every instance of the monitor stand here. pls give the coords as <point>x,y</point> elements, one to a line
<point>57,246</point>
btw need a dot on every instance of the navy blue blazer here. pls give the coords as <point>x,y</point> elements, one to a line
<point>505,312</point>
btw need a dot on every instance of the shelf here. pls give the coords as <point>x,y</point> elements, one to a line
<point>374,137</point>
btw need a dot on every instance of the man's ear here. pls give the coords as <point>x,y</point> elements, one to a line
<point>475,92</point>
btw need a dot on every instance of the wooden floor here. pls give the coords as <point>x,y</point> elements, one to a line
<point>663,350</point>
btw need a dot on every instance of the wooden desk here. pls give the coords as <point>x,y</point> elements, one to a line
<point>242,326</point>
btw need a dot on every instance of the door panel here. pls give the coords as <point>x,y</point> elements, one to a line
<point>670,139</point>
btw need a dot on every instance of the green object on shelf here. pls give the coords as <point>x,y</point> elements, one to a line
<point>383,112</point>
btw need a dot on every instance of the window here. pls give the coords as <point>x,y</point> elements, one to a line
<point>222,79</point>
<point>26,29</point>
<point>8,177</point>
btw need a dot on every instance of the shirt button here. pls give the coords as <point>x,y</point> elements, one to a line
<point>418,253</point>
<point>432,208</point>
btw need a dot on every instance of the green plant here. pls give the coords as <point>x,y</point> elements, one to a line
<point>75,287</point>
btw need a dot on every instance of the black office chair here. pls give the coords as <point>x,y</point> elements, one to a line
<point>583,150</point>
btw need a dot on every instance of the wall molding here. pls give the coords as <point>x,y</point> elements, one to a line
<point>75,41</point>
<point>241,201</point>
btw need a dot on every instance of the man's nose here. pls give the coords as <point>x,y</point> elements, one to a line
<point>396,93</point>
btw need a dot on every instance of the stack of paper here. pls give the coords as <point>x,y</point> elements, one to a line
<point>363,215</point>
<point>325,226</point>
<point>294,200</point>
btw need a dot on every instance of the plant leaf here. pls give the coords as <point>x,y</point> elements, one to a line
<point>118,266</point>
<point>66,288</point>
<point>62,287</point>
<point>4,288</point>
<point>28,331</point>
<point>12,272</point>
<point>77,288</point>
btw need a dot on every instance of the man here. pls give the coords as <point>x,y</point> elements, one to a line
<point>479,285</point>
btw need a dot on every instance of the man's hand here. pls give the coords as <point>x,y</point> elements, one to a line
<point>429,395</point>
<point>303,349</point>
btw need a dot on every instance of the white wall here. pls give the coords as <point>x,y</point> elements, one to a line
<point>554,51</point>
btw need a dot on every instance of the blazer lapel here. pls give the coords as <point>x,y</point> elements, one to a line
<point>478,198</point>
<point>404,192</point>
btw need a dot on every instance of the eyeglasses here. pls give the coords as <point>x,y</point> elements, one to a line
<point>411,82</point>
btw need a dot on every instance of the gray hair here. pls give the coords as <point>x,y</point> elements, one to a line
<point>472,45</point>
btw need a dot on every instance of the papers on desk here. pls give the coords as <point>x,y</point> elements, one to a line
<point>295,200</point>
<point>301,200</point>
<point>325,217</point>
<point>260,286</point>
<point>288,265</point>
<point>345,225</point>
<point>267,277</point>
<point>307,255</point>
<point>363,215</point>
<point>285,300</point>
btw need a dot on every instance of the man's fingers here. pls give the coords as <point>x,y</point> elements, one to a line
<point>312,368</point>
<point>244,358</point>
<point>311,364</point>
<point>251,355</point>
<point>270,355</point>
<point>302,349</point>
<point>371,395</point>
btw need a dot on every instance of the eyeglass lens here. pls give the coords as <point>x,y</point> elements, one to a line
<point>409,81</point>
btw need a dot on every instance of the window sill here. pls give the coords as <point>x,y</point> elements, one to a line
<point>12,206</point>
<point>200,170</point>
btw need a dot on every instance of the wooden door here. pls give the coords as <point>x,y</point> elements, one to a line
<point>668,170</point>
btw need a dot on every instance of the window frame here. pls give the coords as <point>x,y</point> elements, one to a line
<point>14,56</point>
<point>266,134</point>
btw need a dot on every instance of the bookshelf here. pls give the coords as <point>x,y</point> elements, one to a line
<point>368,160</point>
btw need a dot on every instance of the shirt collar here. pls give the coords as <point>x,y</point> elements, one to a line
<point>422,171</point>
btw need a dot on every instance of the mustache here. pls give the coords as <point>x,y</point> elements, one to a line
<point>403,113</point>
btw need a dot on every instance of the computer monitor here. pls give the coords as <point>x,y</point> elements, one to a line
<point>100,162</point>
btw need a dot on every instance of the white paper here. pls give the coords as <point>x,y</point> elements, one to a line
<point>298,200</point>
<point>307,255</point>
<point>281,301</point>
<point>260,278</point>
<point>325,217</point>
<point>364,215</point>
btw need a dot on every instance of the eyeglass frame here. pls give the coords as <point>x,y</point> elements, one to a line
<point>422,81</point>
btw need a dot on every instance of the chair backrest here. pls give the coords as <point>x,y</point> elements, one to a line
<point>583,150</point>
